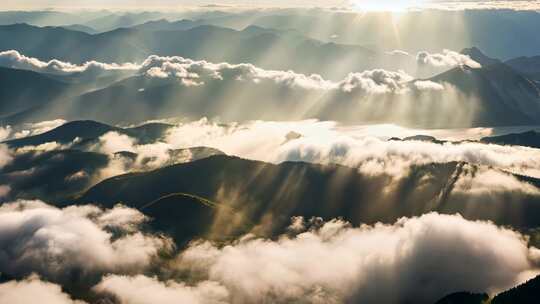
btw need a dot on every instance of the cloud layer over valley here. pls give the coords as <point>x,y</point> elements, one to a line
<point>53,242</point>
<point>329,142</point>
<point>198,88</point>
<point>404,256</point>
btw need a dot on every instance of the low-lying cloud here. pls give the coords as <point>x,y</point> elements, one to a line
<point>192,72</point>
<point>366,148</point>
<point>329,142</point>
<point>53,242</point>
<point>14,59</point>
<point>195,72</point>
<point>446,59</point>
<point>419,259</point>
<point>28,129</point>
<point>141,289</point>
<point>32,289</point>
<point>491,182</point>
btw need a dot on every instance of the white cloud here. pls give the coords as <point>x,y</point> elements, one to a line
<point>30,129</point>
<point>13,59</point>
<point>113,142</point>
<point>446,59</point>
<point>192,72</point>
<point>418,259</point>
<point>35,237</point>
<point>376,82</point>
<point>490,182</point>
<point>196,72</point>
<point>32,290</point>
<point>44,147</point>
<point>5,133</point>
<point>356,146</point>
<point>364,147</point>
<point>423,85</point>
<point>145,290</point>
<point>6,155</point>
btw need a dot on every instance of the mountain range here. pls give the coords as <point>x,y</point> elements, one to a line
<point>270,49</point>
<point>526,293</point>
<point>494,95</point>
<point>252,189</point>
<point>379,30</point>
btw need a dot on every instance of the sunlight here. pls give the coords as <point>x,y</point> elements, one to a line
<point>386,5</point>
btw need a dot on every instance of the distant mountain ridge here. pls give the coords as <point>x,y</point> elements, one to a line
<point>377,29</point>
<point>257,189</point>
<point>494,95</point>
<point>88,129</point>
<point>529,66</point>
<point>526,293</point>
<point>505,96</point>
<point>202,41</point>
<point>527,139</point>
<point>23,90</point>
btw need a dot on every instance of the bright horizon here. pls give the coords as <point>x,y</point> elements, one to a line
<point>360,5</point>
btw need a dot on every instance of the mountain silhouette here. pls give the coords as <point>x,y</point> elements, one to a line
<point>526,293</point>
<point>258,191</point>
<point>502,95</point>
<point>25,90</point>
<point>86,130</point>
<point>527,139</point>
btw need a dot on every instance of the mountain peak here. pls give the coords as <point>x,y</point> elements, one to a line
<point>477,55</point>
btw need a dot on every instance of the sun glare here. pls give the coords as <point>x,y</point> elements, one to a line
<point>387,5</point>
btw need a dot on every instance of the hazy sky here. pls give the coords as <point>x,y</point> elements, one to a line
<point>369,4</point>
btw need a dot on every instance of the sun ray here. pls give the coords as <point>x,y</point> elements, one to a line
<point>387,5</point>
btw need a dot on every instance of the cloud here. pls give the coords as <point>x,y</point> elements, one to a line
<point>53,242</point>
<point>490,182</point>
<point>482,5</point>
<point>404,257</point>
<point>44,147</point>
<point>423,85</point>
<point>32,289</point>
<point>418,259</point>
<point>376,81</point>
<point>4,191</point>
<point>31,129</point>
<point>374,155</point>
<point>355,146</point>
<point>148,156</point>
<point>113,142</point>
<point>363,147</point>
<point>192,72</point>
<point>5,133</point>
<point>197,72</point>
<point>446,59</point>
<point>6,155</point>
<point>141,289</point>
<point>13,59</point>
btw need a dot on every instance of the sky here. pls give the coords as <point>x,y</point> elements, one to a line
<point>353,4</point>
